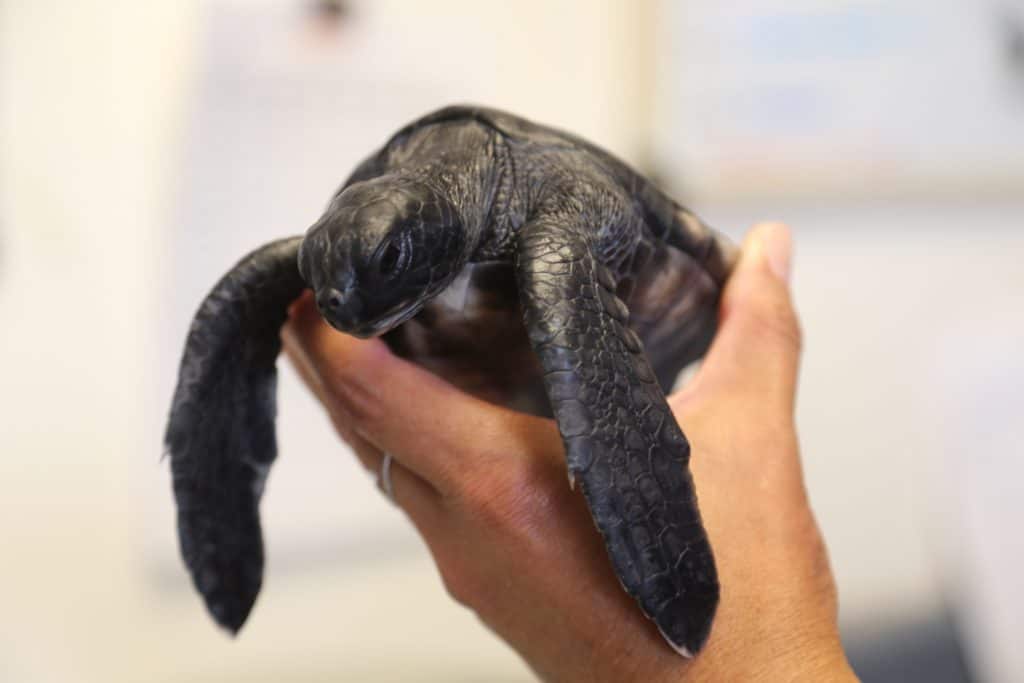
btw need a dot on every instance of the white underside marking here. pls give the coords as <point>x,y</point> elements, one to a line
<point>678,648</point>
<point>454,295</point>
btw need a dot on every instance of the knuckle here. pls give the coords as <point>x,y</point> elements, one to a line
<point>459,581</point>
<point>342,426</point>
<point>346,388</point>
<point>345,369</point>
<point>514,500</point>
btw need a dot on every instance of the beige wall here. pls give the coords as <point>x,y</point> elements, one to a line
<point>94,103</point>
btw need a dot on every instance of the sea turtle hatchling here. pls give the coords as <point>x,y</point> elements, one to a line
<point>526,266</point>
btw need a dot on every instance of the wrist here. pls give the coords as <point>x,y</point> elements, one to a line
<point>821,660</point>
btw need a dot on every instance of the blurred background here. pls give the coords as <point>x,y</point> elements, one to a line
<point>144,147</point>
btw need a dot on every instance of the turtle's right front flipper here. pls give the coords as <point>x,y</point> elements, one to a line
<point>220,436</point>
<point>622,442</point>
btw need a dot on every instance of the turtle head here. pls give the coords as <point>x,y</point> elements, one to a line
<point>381,250</point>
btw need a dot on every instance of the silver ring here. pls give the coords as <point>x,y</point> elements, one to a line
<point>385,477</point>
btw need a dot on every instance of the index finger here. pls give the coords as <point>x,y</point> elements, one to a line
<point>432,427</point>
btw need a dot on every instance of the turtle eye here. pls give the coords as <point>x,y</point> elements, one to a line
<point>388,258</point>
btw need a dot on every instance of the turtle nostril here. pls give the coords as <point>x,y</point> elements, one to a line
<point>340,309</point>
<point>330,300</point>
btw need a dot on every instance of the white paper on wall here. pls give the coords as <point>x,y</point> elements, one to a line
<point>853,96</point>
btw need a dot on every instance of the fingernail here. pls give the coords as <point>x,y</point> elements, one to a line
<point>777,247</point>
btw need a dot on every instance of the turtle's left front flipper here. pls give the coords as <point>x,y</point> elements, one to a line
<point>220,436</point>
<point>622,442</point>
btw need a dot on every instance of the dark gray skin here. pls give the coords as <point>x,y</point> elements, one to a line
<point>524,265</point>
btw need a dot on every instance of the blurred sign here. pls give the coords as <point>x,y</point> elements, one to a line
<point>851,97</point>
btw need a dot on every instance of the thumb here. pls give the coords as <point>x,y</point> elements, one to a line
<point>757,349</point>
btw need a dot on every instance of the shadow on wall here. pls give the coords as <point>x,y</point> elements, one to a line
<point>923,650</point>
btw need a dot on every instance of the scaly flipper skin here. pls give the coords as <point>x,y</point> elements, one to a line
<point>221,436</point>
<point>622,442</point>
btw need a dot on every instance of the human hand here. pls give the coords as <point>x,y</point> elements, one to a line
<point>487,489</point>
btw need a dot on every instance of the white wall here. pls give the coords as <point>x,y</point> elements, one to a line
<point>97,103</point>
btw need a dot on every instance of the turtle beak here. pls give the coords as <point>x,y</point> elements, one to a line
<point>341,309</point>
